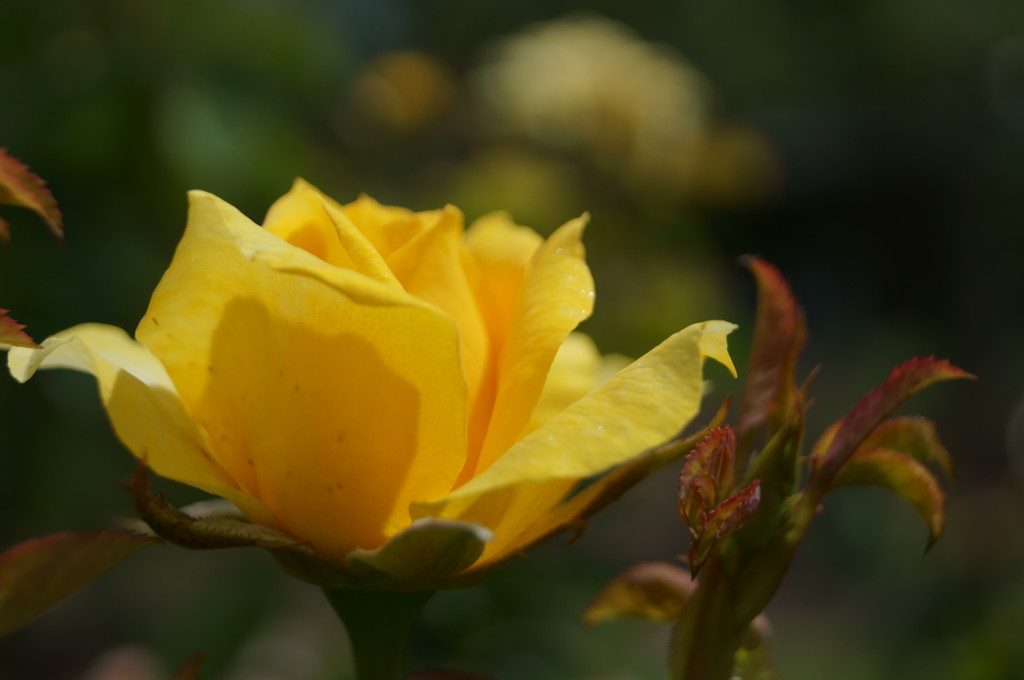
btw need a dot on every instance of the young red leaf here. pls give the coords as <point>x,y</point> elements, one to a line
<point>709,466</point>
<point>734,510</point>
<point>779,336</point>
<point>11,332</point>
<point>656,591</point>
<point>912,435</point>
<point>706,476</point>
<point>900,473</point>
<point>721,521</point>
<point>904,380</point>
<point>19,186</point>
<point>37,574</point>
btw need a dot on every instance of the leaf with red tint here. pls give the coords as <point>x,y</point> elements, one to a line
<point>735,510</point>
<point>721,521</point>
<point>190,669</point>
<point>914,436</point>
<point>19,186</point>
<point>656,591</point>
<point>779,336</point>
<point>906,379</point>
<point>11,332</point>
<point>900,473</point>
<point>707,471</point>
<point>37,574</point>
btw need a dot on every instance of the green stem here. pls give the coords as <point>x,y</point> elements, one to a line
<point>378,624</point>
<point>706,637</point>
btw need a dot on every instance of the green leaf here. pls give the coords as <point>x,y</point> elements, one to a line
<point>18,186</point>
<point>754,658</point>
<point>11,332</point>
<point>902,474</point>
<point>656,591</point>
<point>37,574</point>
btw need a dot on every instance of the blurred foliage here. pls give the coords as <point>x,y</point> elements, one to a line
<point>872,149</point>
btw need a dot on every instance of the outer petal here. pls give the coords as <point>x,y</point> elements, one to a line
<point>145,409</point>
<point>335,398</point>
<point>557,294</point>
<point>645,404</point>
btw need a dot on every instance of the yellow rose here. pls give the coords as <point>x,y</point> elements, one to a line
<point>344,371</point>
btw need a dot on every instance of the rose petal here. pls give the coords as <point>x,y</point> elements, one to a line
<point>641,407</point>
<point>500,253</point>
<point>310,220</point>
<point>299,218</point>
<point>431,266</point>
<point>334,397</point>
<point>145,409</point>
<point>575,371</point>
<point>557,294</point>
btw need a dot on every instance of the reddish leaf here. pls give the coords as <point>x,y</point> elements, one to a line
<point>721,521</point>
<point>37,574</point>
<point>735,510</point>
<point>900,473</point>
<point>914,436</point>
<point>190,669</point>
<point>656,591</point>
<point>779,336</point>
<point>707,470</point>
<point>11,332</point>
<point>906,379</point>
<point>19,186</point>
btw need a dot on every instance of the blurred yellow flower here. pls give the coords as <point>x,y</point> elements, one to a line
<point>638,110</point>
<point>345,370</point>
<point>591,84</point>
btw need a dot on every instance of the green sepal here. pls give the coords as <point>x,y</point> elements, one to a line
<point>429,554</point>
<point>203,530</point>
<point>426,555</point>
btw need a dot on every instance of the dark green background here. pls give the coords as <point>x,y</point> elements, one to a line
<point>898,130</point>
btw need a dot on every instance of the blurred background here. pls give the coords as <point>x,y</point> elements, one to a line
<point>874,150</point>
